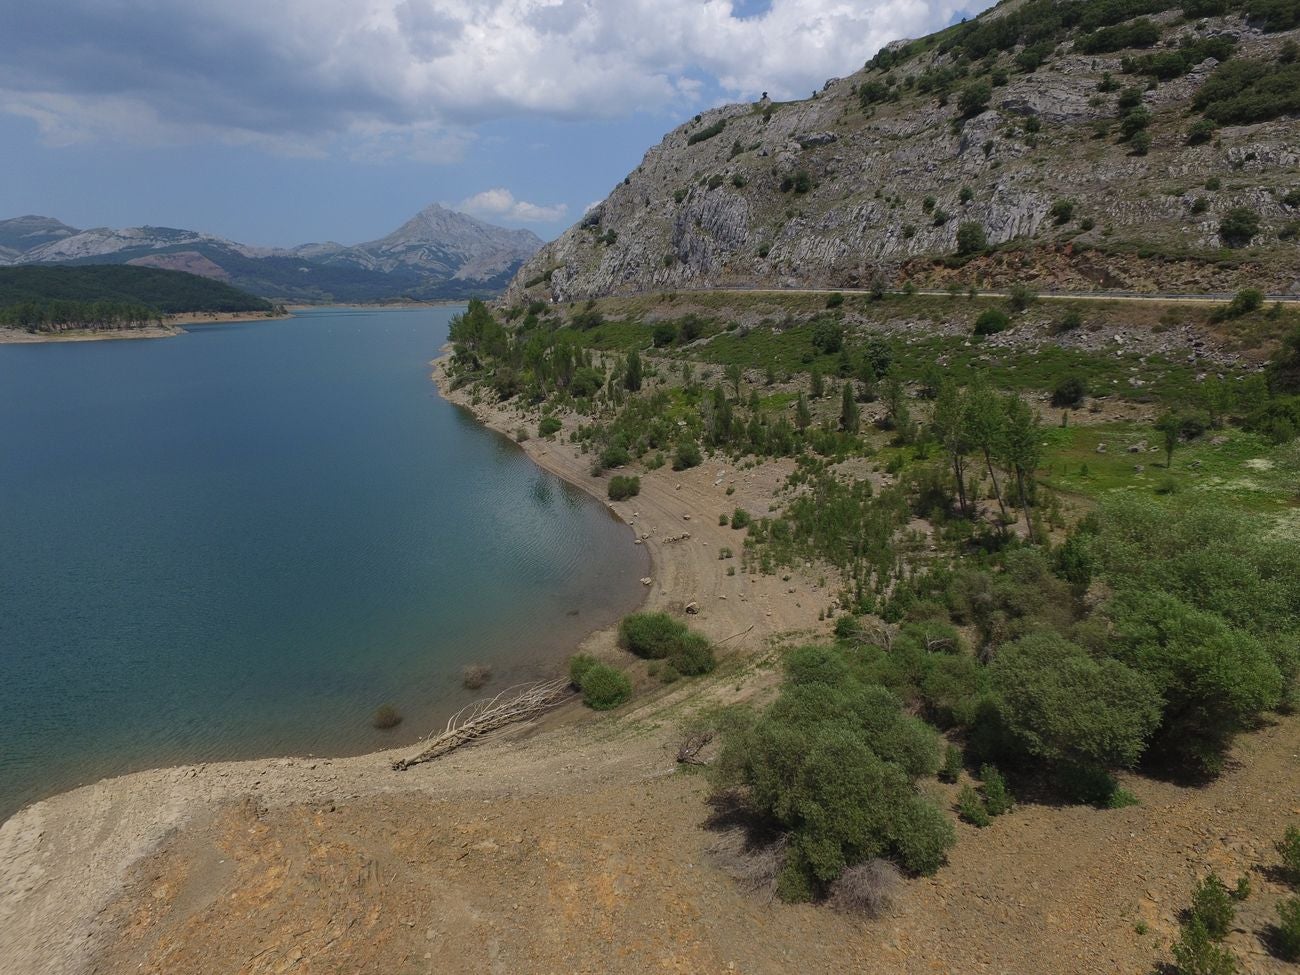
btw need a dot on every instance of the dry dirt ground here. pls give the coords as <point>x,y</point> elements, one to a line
<point>605,866</point>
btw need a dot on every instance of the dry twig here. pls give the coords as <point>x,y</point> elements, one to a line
<point>518,703</point>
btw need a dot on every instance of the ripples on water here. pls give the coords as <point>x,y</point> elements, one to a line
<point>240,541</point>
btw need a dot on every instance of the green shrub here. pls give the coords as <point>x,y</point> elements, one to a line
<point>621,488</point>
<point>658,636</point>
<point>1202,131</point>
<point>693,657</point>
<point>1070,392</point>
<point>740,518</point>
<point>548,425</point>
<point>971,239</point>
<point>1289,849</point>
<point>950,771</point>
<point>971,807</point>
<point>1243,302</point>
<point>991,321</point>
<point>1238,226</point>
<point>997,797</point>
<point>604,688</point>
<point>579,664</point>
<point>687,455</point>
<point>652,636</point>
<point>1065,707</point>
<point>1214,679</point>
<point>1062,211</point>
<point>1212,906</point>
<point>974,98</point>
<point>708,132</point>
<point>1286,935</point>
<point>1195,953</point>
<point>1245,91</point>
<point>833,762</point>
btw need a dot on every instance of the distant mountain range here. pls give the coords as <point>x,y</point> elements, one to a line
<point>438,253</point>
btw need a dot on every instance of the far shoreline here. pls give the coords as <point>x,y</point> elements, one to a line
<point>170,328</point>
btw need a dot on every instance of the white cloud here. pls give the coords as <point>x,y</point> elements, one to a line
<point>300,73</point>
<point>501,203</point>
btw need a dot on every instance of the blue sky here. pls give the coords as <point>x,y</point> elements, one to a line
<point>298,120</point>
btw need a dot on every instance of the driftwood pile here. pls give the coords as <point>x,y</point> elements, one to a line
<point>519,703</point>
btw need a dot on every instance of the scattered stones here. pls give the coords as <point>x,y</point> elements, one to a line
<point>692,608</point>
<point>1101,448</point>
<point>1138,447</point>
<point>646,580</point>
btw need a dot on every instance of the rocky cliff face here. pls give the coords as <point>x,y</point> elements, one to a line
<point>854,185</point>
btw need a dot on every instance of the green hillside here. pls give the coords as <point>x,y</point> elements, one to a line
<point>167,292</point>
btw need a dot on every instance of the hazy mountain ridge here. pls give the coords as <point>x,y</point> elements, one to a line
<point>872,177</point>
<point>437,254</point>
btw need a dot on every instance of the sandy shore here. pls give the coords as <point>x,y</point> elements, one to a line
<point>64,860</point>
<point>171,326</point>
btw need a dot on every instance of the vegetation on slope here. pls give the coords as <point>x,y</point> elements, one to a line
<point>42,298</point>
<point>1010,595</point>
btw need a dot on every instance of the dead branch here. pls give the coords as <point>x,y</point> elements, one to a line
<point>689,752</point>
<point>519,703</point>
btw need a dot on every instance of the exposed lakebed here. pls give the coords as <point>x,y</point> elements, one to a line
<point>240,541</point>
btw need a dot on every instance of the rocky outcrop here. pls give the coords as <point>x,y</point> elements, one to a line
<point>827,192</point>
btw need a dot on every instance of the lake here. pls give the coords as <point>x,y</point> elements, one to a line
<point>241,541</point>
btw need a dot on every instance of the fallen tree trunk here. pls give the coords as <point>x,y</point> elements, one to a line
<point>519,703</point>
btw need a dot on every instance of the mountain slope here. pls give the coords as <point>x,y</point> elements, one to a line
<point>1019,123</point>
<point>437,254</point>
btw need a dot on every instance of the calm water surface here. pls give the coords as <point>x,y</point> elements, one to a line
<point>240,541</point>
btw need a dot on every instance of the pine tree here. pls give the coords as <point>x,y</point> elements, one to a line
<point>849,419</point>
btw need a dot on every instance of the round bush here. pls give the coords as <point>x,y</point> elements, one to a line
<point>694,656</point>
<point>386,716</point>
<point>991,321</point>
<point>579,664</point>
<point>621,488</point>
<point>604,688</point>
<point>1069,392</point>
<point>652,636</point>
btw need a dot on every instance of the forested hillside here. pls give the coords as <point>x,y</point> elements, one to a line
<point>111,296</point>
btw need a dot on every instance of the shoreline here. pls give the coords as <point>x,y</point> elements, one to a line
<point>170,328</point>
<point>65,858</point>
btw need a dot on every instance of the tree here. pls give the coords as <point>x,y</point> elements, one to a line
<point>802,415</point>
<point>818,385</point>
<point>1284,369</point>
<point>985,423</point>
<point>951,429</point>
<point>1022,448</point>
<point>849,419</point>
<point>971,239</point>
<point>735,375</point>
<point>974,98</point>
<point>1169,425</point>
<point>632,375</point>
<point>1069,709</point>
<point>897,413</point>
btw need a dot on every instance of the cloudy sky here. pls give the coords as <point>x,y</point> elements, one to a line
<point>283,121</point>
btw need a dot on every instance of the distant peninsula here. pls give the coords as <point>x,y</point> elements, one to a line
<point>99,300</point>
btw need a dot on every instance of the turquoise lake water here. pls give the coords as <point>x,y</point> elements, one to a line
<point>240,541</point>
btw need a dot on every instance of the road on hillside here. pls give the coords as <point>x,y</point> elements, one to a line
<point>1209,298</point>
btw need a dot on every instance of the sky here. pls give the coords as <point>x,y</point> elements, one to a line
<point>278,122</point>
